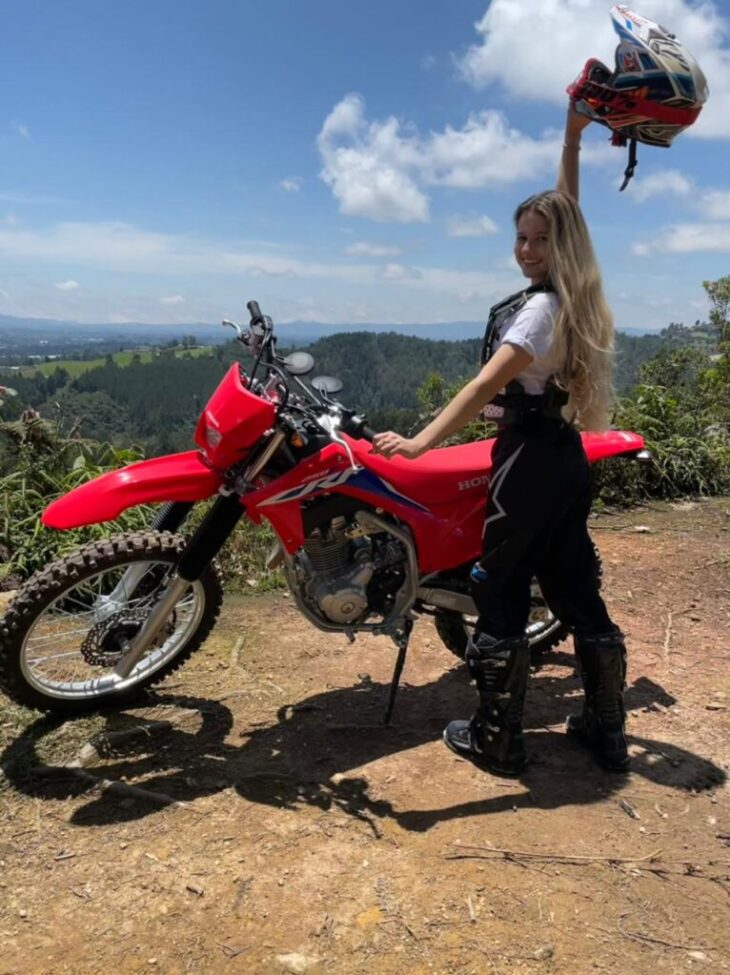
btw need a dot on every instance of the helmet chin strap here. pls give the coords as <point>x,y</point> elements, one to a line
<point>629,171</point>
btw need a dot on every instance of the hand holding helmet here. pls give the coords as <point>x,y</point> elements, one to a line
<point>656,90</point>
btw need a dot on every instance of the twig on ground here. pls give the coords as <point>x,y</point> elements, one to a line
<point>230,951</point>
<point>108,785</point>
<point>668,631</point>
<point>483,853</point>
<point>636,936</point>
<point>629,809</point>
<point>104,744</point>
<point>238,693</point>
<point>236,650</point>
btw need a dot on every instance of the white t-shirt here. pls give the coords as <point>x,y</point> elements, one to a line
<point>531,329</point>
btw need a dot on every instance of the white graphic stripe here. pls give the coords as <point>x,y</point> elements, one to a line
<point>496,485</point>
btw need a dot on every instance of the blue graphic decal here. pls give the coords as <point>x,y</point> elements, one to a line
<point>362,479</point>
<point>367,481</point>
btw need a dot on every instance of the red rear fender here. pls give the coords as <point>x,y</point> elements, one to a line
<point>176,477</point>
<point>612,443</point>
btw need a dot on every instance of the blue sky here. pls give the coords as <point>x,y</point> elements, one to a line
<point>340,162</point>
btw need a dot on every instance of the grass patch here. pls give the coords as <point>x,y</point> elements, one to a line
<point>77,367</point>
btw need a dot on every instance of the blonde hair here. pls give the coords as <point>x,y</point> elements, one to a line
<point>582,349</point>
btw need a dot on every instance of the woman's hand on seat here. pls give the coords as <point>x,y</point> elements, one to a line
<point>389,444</point>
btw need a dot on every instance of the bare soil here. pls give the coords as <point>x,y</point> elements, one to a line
<point>310,838</point>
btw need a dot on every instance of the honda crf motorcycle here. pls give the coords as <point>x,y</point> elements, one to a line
<point>367,544</point>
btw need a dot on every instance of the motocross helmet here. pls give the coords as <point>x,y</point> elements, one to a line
<point>655,91</point>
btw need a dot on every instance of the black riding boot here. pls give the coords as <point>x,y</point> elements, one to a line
<point>493,737</point>
<point>602,664</point>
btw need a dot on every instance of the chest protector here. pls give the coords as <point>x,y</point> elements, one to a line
<point>512,404</point>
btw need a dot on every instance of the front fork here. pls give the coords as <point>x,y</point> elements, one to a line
<point>168,519</point>
<point>201,548</point>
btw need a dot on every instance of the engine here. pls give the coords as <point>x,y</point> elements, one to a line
<point>347,573</point>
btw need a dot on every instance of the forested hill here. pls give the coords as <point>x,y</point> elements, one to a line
<point>156,403</point>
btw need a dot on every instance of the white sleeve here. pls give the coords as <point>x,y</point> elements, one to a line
<point>531,328</point>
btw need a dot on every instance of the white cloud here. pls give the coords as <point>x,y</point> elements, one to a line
<point>292,184</point>
<point>715,204</point>
<point>398,272</point>
<point>127,249</point>
<point>515,34</point>
<point>368,165</point>
<point>363,249</point>
<point>22,130</point>
<point>67,285</point>
<point>665,182</point>
<point>487,152</point>
<point>107,244</point>
<point>687,238</point>
<point>381,169</point>
<point>173,300</point>
<point>470,226</point>
<point>428,62</point>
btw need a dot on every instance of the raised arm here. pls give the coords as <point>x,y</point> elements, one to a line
<point>568,171</point>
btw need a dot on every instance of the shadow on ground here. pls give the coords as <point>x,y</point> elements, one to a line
<point>304,756</point>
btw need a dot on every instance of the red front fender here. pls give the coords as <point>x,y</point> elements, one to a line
<point>176,477</point>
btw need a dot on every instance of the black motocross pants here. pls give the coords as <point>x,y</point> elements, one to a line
<point>537,509</point>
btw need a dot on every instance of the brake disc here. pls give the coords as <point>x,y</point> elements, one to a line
<point>106,642</point>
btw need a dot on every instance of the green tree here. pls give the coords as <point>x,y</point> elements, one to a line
<point>718,375</point>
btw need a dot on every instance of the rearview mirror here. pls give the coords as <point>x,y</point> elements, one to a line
<point>298,363</point>
<point>327,385</point>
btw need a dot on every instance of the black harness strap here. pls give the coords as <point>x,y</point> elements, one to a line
<point>500,311</point>
<point>516,404</point>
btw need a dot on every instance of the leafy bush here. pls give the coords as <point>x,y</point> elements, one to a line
<point>39,467</point>
<point>42,466</point>
<point>676,410</point>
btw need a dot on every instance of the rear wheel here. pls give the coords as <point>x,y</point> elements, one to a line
<point>67,627</point>
<point>544,630</point>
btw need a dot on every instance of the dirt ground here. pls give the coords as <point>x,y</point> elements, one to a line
<point>310,838</point>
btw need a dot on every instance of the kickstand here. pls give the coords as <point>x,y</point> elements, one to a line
<point>400,638</point>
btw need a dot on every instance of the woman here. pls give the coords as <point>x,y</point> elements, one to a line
<point>546,364</point>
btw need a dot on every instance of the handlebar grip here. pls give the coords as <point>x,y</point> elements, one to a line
<point>357,428</point>
<point>255,312</point>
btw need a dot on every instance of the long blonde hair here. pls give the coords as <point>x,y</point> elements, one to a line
<point>582,349</point>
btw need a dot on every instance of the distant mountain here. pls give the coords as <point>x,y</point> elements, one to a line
<point>13,329</point>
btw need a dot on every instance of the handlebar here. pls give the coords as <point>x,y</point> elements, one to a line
<point>256,317</point>
<point>261,340</point>
<point>357,428</point>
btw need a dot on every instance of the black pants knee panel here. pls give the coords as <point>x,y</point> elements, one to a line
<point>538,505</point>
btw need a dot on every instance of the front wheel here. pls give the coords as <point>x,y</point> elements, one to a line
<point>67,627</point>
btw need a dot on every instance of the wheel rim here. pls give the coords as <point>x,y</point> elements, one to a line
<point>51,657</point>
<point>542,623</point>
<point>539,630</point>
<point>536,631</point>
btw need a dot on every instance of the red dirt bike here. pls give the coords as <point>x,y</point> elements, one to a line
<point>366,543</point>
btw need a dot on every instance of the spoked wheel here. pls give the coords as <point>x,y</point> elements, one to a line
<point>543,631</point>
<point>68,626</point>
